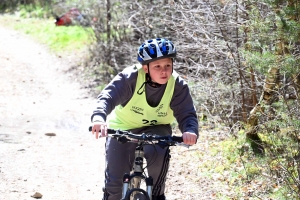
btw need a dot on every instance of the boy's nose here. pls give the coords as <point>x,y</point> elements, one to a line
<point>164,69</point>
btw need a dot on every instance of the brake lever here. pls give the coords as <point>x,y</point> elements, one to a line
<point>182,144</point>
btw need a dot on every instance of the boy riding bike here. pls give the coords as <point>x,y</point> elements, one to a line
<point>144,98</point>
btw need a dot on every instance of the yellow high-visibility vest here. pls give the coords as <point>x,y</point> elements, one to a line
<point>138,113</point>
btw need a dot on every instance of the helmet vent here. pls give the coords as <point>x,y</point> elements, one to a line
<point>155,49</point>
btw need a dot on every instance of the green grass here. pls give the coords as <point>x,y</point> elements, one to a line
<point>238,170</point>
<point>59,39</point>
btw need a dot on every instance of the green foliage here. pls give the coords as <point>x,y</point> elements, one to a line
<point>273,38</point>
<point>280,134</point>
<point>32,11</point>
<point>266,30</point>
<point>8,5</point>
<point>254,170</point>
<point>261,61</point>
<point>235,166</point>
<point>32,8</point>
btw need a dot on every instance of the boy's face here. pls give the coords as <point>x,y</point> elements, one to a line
<point>160,70</point>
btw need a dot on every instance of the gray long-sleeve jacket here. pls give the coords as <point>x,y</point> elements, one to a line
<point>121,89</point>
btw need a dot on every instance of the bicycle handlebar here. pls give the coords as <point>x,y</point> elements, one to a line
<point>128,136</point>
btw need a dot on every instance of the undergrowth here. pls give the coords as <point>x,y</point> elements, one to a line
<point>239,173</point>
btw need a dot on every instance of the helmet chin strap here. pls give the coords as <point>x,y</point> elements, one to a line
<point>149,80</point>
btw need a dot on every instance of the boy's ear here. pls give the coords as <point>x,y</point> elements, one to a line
<point>145,68</point>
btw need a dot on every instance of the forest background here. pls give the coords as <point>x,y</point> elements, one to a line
<point>240,58</point>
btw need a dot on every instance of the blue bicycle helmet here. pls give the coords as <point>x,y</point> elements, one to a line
<point>155,49</point>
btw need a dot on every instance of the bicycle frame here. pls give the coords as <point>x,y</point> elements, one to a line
<point>132,181</point>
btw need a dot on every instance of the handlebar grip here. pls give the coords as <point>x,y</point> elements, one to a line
<point>177,138</point>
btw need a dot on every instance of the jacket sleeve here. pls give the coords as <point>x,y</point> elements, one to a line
<point>183,108</point>
<point>118,91</point>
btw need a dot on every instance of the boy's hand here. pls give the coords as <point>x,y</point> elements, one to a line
<point>99,127</point>
<point>189,138</point>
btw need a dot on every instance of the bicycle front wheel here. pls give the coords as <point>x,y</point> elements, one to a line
<point>140,196</point>
<point>136,193</point>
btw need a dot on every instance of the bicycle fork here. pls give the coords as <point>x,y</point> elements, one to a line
<point>134,179</point>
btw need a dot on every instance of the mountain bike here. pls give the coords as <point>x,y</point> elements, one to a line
<point>133,180</point>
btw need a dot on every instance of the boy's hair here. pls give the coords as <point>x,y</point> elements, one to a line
<point>155,49</point>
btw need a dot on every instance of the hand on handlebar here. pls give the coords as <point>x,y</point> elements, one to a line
<point>99,128</point>
<point>189,138</point>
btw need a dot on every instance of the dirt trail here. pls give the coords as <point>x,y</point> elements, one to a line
<point>38,97</point>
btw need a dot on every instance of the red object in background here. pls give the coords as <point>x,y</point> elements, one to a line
<point>63,20</point>
<point>66,19</point>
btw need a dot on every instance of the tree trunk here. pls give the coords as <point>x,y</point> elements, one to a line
<point>108,31</point>
<point>265,99</point>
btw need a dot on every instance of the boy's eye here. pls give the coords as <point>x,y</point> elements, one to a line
<point>162,66</point>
